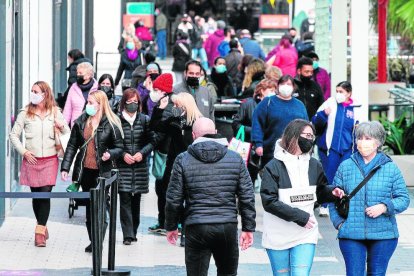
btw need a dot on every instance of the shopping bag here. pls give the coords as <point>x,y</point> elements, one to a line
<point>238,145</point>
<point>158,166</point>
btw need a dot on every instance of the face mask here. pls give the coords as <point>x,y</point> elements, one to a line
<point>285,90</point>
<point>200,81</point>
<point>80,80</point>
<point>153,76</point>
<point>366,147</point>
<point>305,79</point>
<point>90,110</point>
<point>270,94</point>
<point>108,91</point>
<point>130,45</point>
<point>131,107</point>
<point>177,111</point>
<point>36,98</point>
<point>315,64</point>
<point>154,96</point>
<point>305,145</point>
<point>193,82</point>
<point>340,98</point>
<point>221,68</point>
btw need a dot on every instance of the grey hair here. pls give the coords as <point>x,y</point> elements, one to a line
<point>373,129</point>
<point>88,67</point>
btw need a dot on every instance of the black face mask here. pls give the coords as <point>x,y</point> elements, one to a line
<point>131,107</point>
<point>108,91</point>
<point>305,145</point>
<point>153,76</point>
<point>80,79</point>
<point>192,82</point>
<point>305,79</point>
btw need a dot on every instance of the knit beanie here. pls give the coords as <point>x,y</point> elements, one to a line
<point>164,83</point>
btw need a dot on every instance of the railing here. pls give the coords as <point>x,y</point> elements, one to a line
<point>98,208</point>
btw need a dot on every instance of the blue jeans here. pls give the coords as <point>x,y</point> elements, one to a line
<point>296,261</point>
<point>373,254</point>
<point>201,52</point>
<point>162,44</point>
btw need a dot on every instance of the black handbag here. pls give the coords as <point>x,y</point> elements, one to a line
<point>342,204</point>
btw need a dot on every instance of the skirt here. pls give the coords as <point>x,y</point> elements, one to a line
<point>44,173</point>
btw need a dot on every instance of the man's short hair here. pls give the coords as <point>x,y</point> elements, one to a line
<point>304,61</point>
<point>233,44</point>
<point>192,62</point>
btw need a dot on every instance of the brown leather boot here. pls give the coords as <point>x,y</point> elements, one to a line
<point>40,236</point>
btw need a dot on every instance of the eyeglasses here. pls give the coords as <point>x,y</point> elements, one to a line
<point>310,136</point>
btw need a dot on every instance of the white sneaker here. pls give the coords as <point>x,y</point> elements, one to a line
<point>323,212</point>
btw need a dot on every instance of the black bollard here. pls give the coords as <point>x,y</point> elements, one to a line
<point>112,230</point>
<point>96,254</point>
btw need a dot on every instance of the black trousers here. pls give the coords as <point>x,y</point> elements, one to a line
<point>161,191</point>
<point>41,206</point>
<point>129,213</point>
<point>204,240</point>
<point>88,181</point>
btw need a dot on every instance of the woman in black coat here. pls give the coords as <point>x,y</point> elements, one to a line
<point>182,53</point>
<point>133,166</point>
<point>97,134</point>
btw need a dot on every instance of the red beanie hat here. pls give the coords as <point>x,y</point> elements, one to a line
<point>164,83</point>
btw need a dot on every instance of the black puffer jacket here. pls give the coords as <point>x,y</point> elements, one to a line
<point>128,66</point>
<point>107,138</point>
<point>138,138</point>
<point>209,178</point>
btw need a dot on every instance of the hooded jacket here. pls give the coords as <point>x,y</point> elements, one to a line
<point>290,186</point>
<point>386,186</point>
<point>107,138</point>
<point>209,178</point>
<point>310,94</point>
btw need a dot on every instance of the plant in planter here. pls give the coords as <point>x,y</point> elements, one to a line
<point>400,134</point>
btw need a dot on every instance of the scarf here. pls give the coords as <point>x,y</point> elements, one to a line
<point>128,118</point>
<point>132,54</point>
<point>86,88</point>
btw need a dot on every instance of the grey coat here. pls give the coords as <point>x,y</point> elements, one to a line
<point>203,97</point>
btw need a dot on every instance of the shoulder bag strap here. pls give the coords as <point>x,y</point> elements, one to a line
<point>366,179</point>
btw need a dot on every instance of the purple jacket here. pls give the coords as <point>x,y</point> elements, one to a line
<point>321,76</point>
<point>147,103</point>
<point>211,46</point>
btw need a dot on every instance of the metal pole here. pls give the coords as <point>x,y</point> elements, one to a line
<point>102,212</point>
<point>112,225</point>
<point>94,206</point>
<point>89,36</point>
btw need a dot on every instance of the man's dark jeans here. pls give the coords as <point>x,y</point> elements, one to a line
<point>204,240</point>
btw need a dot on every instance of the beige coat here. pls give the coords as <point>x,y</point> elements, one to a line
<point>39,134</point>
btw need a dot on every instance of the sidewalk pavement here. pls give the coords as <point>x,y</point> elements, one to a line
<point>152,255</point>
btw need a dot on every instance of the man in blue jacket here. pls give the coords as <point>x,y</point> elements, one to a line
<point>250,46</point>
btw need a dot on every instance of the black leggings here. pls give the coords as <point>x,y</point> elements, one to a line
<point>41,206</point>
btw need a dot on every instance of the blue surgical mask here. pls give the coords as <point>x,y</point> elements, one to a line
<point>130,45</point>
<point>221,68</point>
<point>315,64</point>
<point>90,110</point>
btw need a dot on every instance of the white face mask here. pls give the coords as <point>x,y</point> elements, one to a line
<point>155,97</point>
<point>340,98</point>
<point>285,90</point>
<point>270,94</point>
<point>36,98</point>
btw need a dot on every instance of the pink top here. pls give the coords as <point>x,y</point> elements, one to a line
<point>286,60</point>
<point>143,33</point>
<point>75,102</point>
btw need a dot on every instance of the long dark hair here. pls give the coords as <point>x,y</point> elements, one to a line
<point>109,77</point>
<point>291,134</point>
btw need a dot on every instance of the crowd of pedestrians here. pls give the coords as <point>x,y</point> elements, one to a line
<point>286,109</point>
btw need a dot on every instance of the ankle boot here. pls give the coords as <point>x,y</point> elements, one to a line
<point>46,233</point>
<point>40,237</point>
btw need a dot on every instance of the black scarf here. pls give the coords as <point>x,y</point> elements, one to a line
<point>221,81</point>
<point>86,88</point>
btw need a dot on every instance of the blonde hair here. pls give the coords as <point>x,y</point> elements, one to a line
<point>186,101</point>
<point>106,110</point>
<point>273,73</point>
<point>88,67</point>
<point>129,30</point>
<point>255,66</point>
